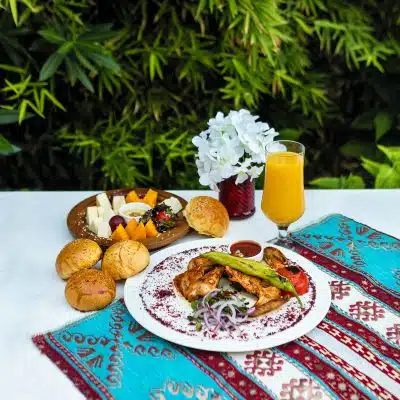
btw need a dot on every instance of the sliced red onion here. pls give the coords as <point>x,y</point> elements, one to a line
<point>219,312</point>
<point>240,320</point>
<point>226,324</point>
<point>210,294</point>
<point>233,311</point>
<point>216,316</point>
<point>225,302</point>
<point>251,310</point>
<point>233,319</point>
<point>199,312</point>
<point>207,322</point>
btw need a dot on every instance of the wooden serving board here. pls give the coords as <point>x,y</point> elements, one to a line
<point>76,220</point>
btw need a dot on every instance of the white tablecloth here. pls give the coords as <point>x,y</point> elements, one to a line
<point>33,230</point>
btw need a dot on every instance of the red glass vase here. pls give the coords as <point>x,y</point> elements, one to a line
<point>238,199</point>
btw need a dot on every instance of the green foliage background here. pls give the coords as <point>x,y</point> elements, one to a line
<point>110,93</point>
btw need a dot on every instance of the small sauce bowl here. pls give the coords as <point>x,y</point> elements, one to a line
<point>249,249</point>
<point>135,207</point>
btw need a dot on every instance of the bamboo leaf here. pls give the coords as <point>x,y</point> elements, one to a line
<point>300,21</point>
<point>104,60</point>
<point>71,70</point>
<point>372,167</point>
<point>6,148</point>
<point>289,134</point>
<point>105,79</point>
<point>32,7</point>
<point>22,111</point>
<point>51,65</point>
<point>383,122</point>
<point>66,47</point>
<point>11,87</point>
<point>85,62</point>
<point>45,93</point>
<point>233,8</point>
<point>326,183</point>
<point>387,178</point>
<point>201,7</point>
<point>353,182</point>
<point>240,68</point>
<point>51,36</point>
<point>350,182</point>
<point>152,65</point>
<point>24,16</point>
<point>70,14</point>
<point>36,97</point>
<point>355,148</point>
<point>329,24</point>
<point>158,69</point>
<point>25,103</point>
<point>14,10</point>
<point>24,84</point>
<point>100,27</point>
<point>11,116</point>
<point>91,47</point>
<point>83,78</point>
<point>100,36</point>
<point>12,68</point>
<point>392,153</point>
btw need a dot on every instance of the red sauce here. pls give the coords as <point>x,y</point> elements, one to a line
<point>246,248</point>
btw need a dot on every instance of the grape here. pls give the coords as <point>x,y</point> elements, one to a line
<point>115,221</point>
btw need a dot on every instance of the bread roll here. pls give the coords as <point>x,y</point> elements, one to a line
<point>125,258</point>
<point>207,216</point>
<point>77,255</point>
<point>90,289</point>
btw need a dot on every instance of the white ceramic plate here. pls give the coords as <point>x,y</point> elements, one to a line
<point>153,301</point>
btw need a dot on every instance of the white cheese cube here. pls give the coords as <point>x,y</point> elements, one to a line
<point>100,211</point>
<point>174,204</point>
<point>108,214</point>
<point>94,226</point>
<point>102,201</point>
<point>118,201</point>
<point>103,229</point>
<point>91,214</point>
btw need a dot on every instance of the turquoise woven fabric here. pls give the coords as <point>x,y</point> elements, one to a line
<point>108,355</point>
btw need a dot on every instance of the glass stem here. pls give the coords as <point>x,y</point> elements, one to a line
<point>283,232</point>
<point>283,237</point>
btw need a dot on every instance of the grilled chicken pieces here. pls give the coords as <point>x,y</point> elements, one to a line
<point>269,297</point>
<point>275,258</point>
<point>202,276</point>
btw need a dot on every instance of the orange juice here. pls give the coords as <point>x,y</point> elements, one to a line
<point>283,196</point>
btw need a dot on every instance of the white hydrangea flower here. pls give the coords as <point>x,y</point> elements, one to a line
<point>232,145</point>
<point>254,135</point>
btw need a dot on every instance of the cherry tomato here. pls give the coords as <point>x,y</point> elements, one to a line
<point>298,278</point>
<point>163,216</point>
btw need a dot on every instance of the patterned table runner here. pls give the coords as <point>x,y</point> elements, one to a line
<point>354,353</point>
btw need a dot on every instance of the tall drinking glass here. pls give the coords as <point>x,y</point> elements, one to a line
<point>283,195</point>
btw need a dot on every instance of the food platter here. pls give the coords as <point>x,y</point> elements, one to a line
<point>76,220</point>
<point>154,302</point>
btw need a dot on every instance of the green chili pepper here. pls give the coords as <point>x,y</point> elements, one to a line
<point>253,268</point>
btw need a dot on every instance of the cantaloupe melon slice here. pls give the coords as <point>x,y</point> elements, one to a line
<point>140,232</point>
<point>151,230</point>
<point>132,197</point>
<point>151,198</point>
<point>119,234</point>
<point>131,227</point>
